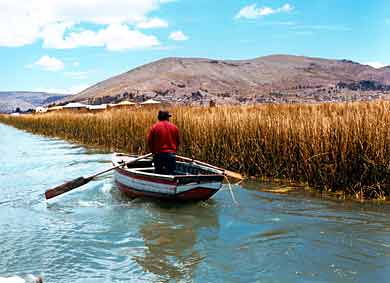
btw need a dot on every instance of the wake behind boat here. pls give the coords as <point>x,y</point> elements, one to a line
<point>191,180</point>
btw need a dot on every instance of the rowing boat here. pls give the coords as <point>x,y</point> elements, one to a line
<point>191,181</point>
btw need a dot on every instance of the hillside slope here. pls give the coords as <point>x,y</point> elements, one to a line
<point>276,78</point>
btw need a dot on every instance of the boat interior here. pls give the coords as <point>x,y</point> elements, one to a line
<point>182,168</point>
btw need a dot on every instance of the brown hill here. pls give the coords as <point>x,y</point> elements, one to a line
<point>277,78</point>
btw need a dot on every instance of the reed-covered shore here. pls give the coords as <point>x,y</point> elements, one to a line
<point>335,147</point>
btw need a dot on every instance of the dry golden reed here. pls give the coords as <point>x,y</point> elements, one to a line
<point>338,147</point>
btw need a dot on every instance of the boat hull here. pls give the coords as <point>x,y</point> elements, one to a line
<point>196,194</point>
<point>140,182</point>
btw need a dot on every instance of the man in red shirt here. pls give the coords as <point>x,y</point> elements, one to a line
<point>163,141</point>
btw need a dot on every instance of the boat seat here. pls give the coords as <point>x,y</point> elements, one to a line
<point>143,169</point>
<point>151,170</point>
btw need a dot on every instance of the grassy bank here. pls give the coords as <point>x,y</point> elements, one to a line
<point>338,147</point>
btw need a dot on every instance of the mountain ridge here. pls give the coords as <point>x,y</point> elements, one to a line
<point>269,79</point>
<point>25,100</point>
<point>272,78</point>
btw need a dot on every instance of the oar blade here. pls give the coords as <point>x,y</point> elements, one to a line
<point>68,186</point>
<point>227,173</point>
<point>233,175</point>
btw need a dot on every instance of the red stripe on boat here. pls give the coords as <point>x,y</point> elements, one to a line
<point>195,194</point>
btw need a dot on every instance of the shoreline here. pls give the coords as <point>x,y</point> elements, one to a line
<point>343,147</point>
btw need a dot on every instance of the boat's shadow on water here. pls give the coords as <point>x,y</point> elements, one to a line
<point>166,204</point>
<point>173,235</point>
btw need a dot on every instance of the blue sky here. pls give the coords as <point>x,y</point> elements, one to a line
<point>68,45</point>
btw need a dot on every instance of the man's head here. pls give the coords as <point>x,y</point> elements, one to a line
<point>163,115</point>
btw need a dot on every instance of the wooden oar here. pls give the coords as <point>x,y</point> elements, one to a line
<point>78,182</point>
<point>228,173</point>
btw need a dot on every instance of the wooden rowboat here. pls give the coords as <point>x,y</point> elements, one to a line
<point>192,181</point>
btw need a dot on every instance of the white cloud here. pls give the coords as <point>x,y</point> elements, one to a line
<point>178,36</point>
<point>76,64</point>
<point>24,22</point>
<point>253,12</point>
<point>49,63</point>
<point>376,64</point>
<point>114,37</point>
<point>152,23</point>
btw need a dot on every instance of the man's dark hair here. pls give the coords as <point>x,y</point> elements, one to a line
<point>163,115</point>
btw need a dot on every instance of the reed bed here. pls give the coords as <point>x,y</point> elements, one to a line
<point>333,147</point>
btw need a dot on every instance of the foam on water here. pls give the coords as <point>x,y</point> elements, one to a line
<point>17,279</point>
<point>82,203</point>
<point>106,189</point>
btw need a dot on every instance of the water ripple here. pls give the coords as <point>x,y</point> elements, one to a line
<point>95,234</point>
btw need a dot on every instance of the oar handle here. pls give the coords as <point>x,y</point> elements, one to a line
<point>78,182</point>
<point>121,165</point>
<point>200,162</point>
<point>226,172</point>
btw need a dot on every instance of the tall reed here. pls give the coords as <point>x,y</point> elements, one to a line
<point>338,147</point>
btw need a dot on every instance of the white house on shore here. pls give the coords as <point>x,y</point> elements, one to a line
<point>75,106</point>
<point>123,105</point>
<point>97,108</point>
<point>84,108</point>
<point>54,108</point>
<point>150,102</point>
<point>41,109</point>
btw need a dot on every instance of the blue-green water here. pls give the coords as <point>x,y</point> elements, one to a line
<point>94,234</point>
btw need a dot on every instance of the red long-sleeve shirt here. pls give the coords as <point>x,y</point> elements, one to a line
<point>163,137</point>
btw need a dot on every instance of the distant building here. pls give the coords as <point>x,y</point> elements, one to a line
<point>41,109</point>
<point>151,103</point>
<point>97,108</point>
<point>54,108</point>
<point>123,105</point>
<point>75,107</point>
